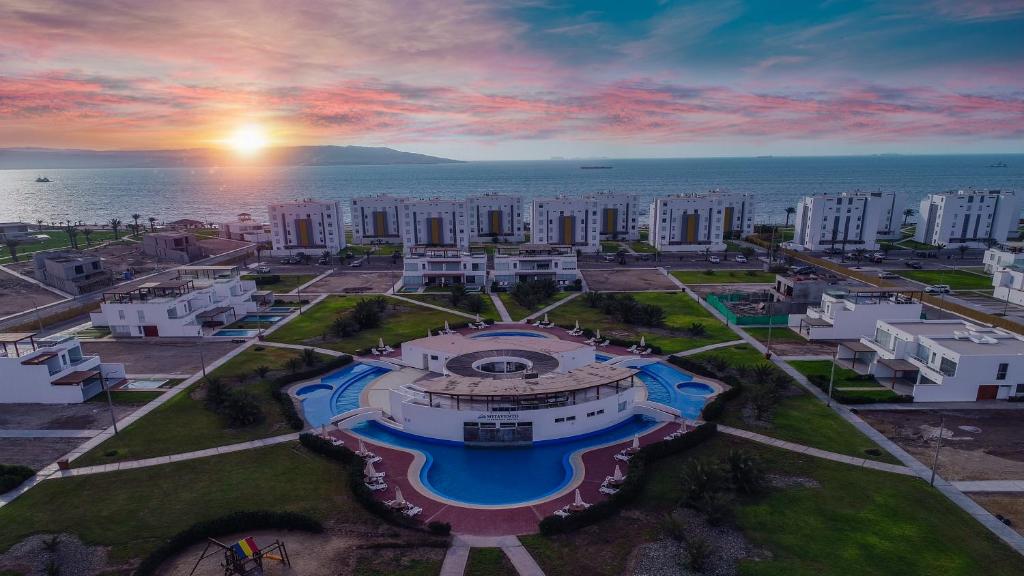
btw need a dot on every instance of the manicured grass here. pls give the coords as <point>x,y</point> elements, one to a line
<point>184,424</point>
<point>58,239</point>
<point>375,250</point>
<point>641,247</point>
<point>738,355</point>
<point>680,312</point>
<point>957,279</point>
<point>844,377</point>
<point>856,521</point>
<point>610,247</point>
<point>380,563</point>
<point>402,321</point>
<point>779,334</point>
<point>134,511</point>
<point>285,283</point>
<point>724,276</point>
<point>912,244</point>
<point>445,301</point>
<point>517,311</point>
<point>489,562</point>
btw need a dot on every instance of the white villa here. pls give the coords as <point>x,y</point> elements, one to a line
<point>996,258</point>
<point>967,217</point>
<point>1009,285</point>
<point>848,315</point>
<point>534,261</point>
<point>308,226</point>
<point>200,297</point>
<point>51,370</point>
<point>245,228</point>
<point>438,266</point>
<point>942,360</point>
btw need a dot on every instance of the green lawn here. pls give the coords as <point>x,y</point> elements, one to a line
<point>957,279</point>
<point>134,511</point>
<point>517,311</point>
<point>375,250</point>
<point>285,283</point>
<point>58,239</point>
<point>724,276</point>
<point>489,562</point>
<point>641,247</point>
<point>912,244</point>
<point>610,247</point>
<point>856,521</point>
<point>779,334</point>
<point>403,321</point>
<point>680,312</point>
<point>184,424</point>
<point>444,300</point>
<point>844,377</point>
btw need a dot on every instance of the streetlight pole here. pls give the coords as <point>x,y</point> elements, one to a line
<point>832,376</point>
<point>110,401</point>
<point>202,360</point>
<point>938,445</point>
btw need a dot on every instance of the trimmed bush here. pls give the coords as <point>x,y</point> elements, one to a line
<point>11,476</point>
<point>263,280</point>
<point>236,522</point>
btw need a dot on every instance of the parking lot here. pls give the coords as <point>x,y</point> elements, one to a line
<point>986,303</point>
<point>373,281</point>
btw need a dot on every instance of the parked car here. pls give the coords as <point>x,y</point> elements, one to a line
<point>937,289</point>
<point>886,275</point>
<point>714,259</point>
<point>913,264</point>
<point>323,261</point>
<point>741,259</point>
<point>356,263</point>
<point>801,269</point>
<point>263,269</point>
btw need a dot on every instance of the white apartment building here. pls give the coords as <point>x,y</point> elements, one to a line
<point>439,266</point>
<point>996,258</point>
<point>435,223</point>
<point>495,218</point>
<point>618,215</point>
<point>245,228</point>
<point>890,219</point>
<point>848,315</point>
<point>565,221</point>
<point>698,222</point>
<point>200,298</point>
<point>51,370</point>
<point>845,221</point>
<point>1009,284</point>
<point>309,226</point>
<point>534,262</point>
<point>967,217</point>
<point>377,219</point>
<point>945,360</point>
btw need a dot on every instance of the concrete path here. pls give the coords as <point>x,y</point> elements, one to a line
<point>521,559</point>
<point>455,559</point>
<point>434,306</point>
<point>989,485</point>
<point>833,456</point>
<point>500,307</point>
<point>674,280</point>
<point>540,313</point>
<point>152,377</point>
<point>49,433</point>
<point>524,564</point>
<point>978,405</point>
<point>147,462</point>
<point>326,351</point>
<point>709,347</point>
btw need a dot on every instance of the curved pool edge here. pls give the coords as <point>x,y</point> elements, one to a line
<point>421,464</point>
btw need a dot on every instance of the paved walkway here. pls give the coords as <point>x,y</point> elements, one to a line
<point>49,433</point>
<point>978,405</point>
<point>326,351</point>
<point>540,313</point>
<point>500,307</point>
<point>989,485</point>
<point>709,347</point>
<point>524,564</point>
<point>833,456</point>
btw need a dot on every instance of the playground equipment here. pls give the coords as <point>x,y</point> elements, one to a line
<point>243,558</point>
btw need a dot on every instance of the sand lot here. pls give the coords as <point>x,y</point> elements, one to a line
<point>355,282</point>
<point>627,279</point>
<point>176,357</point>
<point>17,295</point>
<point>39,452</point>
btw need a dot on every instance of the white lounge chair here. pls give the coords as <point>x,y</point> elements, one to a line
<point>377,486</point>
<point>372,458</point>
<point>389,349</point>
<point>375,351</point>
<point>645,351</point>
<point>605,343</point>
<point>337,442</point>
<point>631,348</point>
<point>623,457</point>
<point>536,324</point>
<point>375,475</point>
<point>561,513</point>
<point>607,490</point>
<point>412,511</point>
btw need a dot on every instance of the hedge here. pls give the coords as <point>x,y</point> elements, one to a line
<point>264,279</point>
<point>858,396</point>
<point>242,521</point>
<point>635,480</point>
<point>291,415</point>
<point>11,476</point>
<point>353,464</point>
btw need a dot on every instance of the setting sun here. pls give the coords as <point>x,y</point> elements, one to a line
<point>248,140</point>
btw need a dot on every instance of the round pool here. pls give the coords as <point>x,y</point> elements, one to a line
<point>695,389</point>
<point>311,388</point>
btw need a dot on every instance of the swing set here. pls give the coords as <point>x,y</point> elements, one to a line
<point>243,558</point>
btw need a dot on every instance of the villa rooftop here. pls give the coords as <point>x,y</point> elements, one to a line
<point>589,376</point>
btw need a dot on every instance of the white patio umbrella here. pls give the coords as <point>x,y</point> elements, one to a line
<point>362,447</point>
<point>636,442</point>
<point>545,317</point>
<point>597,334</point>
<point>428,333</point>
<point>577,327</point>
<point>617,475</point>
<point>369,471</point>
<point>478,320</point>
<point>643,343</point>
<point>399,499</point>
<point>380,342</point>
<point>578,503</point>
<point>446,328</point>
<point>323,430</point>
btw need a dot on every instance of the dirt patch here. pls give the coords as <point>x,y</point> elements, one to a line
<point>84,416</point>
<point>725,546</point>
<point>62,554</point>
<point>976,445</point>
<point>214,246</point>
<point>627,279</point>
<point>355,282</point>
<point>36,453</point>
<point>1009,506</point>
<point>17,295</point>
<point>803,348</point>
<point>177,357</point>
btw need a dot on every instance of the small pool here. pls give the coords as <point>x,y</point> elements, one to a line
<point>671,387</point>
<point>602,357</point>
<point>268,318</point>
<point>281,309</point>
<point>134,384</point>
<point>499,476</point>
<point>337,392</point>
<point>236,332</point>
<point>497,333</point>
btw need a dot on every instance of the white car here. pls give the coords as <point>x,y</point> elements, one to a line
<point>938,289</point>
<point>263,269</point>
<point>886,275</point>
<point>741,259</point>
<point>714,259</point>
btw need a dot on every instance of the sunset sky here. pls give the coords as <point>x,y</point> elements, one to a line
<point>519,79</point>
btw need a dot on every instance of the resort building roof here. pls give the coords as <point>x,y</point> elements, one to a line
<point>581,378</point>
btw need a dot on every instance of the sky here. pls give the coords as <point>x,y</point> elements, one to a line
<point>518,79</point>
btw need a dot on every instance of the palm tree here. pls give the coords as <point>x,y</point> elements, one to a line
<point>12,246</point>
<point>963,248</point>
<point>87,232</point>
<point>73,236</point>
<point>115,223</point>
<point>152,224</point>
<point>789,212</point>
<point>135,226</point>
<point>938,250</point>
<point>39,224</point>
<point>907,214</point>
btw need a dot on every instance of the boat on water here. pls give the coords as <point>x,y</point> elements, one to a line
<point>595,167</point>
<point>998,165</point>
<point>43,179</point>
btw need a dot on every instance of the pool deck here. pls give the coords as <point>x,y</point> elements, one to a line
<point>597,464</point>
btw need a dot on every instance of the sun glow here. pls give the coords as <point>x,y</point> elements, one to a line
<point>248,140</point>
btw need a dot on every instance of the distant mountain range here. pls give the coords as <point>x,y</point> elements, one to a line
<point>43,158</point>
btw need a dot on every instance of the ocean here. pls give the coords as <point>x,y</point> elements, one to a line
<point>217,194</point>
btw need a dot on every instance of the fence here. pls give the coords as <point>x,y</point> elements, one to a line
<point>721,302</point>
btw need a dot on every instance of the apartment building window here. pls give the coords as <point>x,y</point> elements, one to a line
<point>142,316</point>
<point>1001,371</point>
<point>947,367</point>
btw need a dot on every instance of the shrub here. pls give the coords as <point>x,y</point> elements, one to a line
<point>532,292</point>
<point>11,476</point>
<point>439,528</point>
<point>243,521</point>
<point>474,303</point>
<point>367,314</point>
<point>701,477</point>
<point>344,326</point>
<point>240,409</point>
<point>216,393</point>
<point>745,472</point>
<point>309,357</point>
<point>718,507</point>
<point>264,279</point>
<point>697,329</point>
<point>698,553</point>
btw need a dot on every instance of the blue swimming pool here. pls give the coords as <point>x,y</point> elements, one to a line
<point>268,318</point>
<point>337,392</point>
<point>281,309</point>
<point>602,357</point>
<point>236,332</point>
<point>498,476</point>
<point>497,333</point>
<point>672,387</point>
